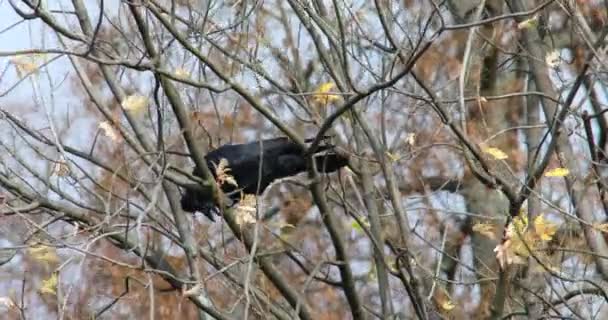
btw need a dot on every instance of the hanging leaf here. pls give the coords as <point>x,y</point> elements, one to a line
<point>357,227</point>
<point>322,94</point>
<point>286,232</point>
<point>44,254</point>
<point>528,23</point>
<point>49,286</point>
<point>544,229</point>
<point>557,172</point>
<point>485,229</point>
<point>392,157</point>
<point>448,305</point>
<point>496,153</point>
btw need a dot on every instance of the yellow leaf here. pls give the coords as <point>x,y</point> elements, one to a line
<point>528,23</point>
<point>392,157</point>
<point>496,153</point>
<point>544,229</point>
<point>372,274</point>
<point>357,227</point>
<point>287,230</point>
<point>521,245</point>
<point>49,286</point>
<point>557,172</point>
<point>602,227</point>
<point>521,222</point>
<point>323,96</point>
<point>109,130</point>
<point>485,229</point>
<point>448,305</point>
<point>44,254</point>
<point>135,103</point>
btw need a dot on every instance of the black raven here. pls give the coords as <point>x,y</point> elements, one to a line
<point>254,166</point>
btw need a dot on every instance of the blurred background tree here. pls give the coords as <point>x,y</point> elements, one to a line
<point>476,186</point>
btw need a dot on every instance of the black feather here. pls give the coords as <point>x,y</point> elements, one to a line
<point>255,166</point>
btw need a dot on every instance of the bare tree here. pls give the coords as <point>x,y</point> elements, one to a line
<point>475,130</point>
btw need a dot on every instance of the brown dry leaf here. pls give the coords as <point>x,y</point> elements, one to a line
<point>222,173</point>
<point>322,94</point>
<point>294,209</point>
<point>61,168</point>
<point>486,229</point>
<point>602,227</point>
<point>49,286</point>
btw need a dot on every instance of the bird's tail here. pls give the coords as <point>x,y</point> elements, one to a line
<point>330,162</point>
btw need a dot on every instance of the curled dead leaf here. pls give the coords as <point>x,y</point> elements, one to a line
<point>222,173</point>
